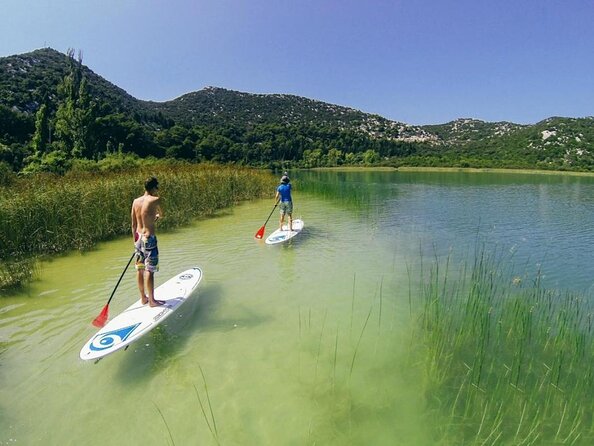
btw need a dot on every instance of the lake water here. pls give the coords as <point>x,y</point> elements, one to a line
<point>304,343</point>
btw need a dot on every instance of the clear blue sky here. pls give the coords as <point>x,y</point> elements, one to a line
<point>414,61</point>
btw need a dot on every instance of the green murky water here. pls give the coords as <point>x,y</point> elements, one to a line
<point>304,343</point>
<point>289,340</point>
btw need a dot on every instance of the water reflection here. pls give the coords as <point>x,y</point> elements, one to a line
<point>544,218</point>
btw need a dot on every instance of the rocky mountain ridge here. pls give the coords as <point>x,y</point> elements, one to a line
<point>30,79</point>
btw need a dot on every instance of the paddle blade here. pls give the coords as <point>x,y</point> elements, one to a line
<point>260,232</point>
<point>100,320</point>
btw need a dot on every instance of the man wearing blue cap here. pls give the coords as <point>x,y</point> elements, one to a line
<point>283,196</point>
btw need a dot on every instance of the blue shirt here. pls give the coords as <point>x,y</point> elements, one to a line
<point>285,192</point>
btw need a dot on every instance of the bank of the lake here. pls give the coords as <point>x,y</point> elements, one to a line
<point>44,215</point>
<point>494,170</point>
<point>453,169</point>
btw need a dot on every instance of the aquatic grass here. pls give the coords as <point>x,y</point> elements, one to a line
<point>353,300</point>
<point>506,354</point>
<point>334,361</point>
<point>45,214</point>
<point>356,195</point>
<point>359,342</point>
<point>165,422</point>
<point>352,377</point>
<point>381,296</point>
<point>210,419</point>
<point>320,345</point>
<point>17,271</point>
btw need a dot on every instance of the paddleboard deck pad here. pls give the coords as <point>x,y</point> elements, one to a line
<point>280,236</point>
<point>139,319</point>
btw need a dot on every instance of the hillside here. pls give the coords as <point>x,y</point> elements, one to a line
<point>225,125</point>
<point>27,80</point>
<point>218,106</point>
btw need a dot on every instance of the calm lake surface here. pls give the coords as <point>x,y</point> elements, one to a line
<point>304,343</point>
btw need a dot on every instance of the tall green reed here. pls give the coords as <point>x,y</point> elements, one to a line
<point>43,215</point>
<point>507,361</point>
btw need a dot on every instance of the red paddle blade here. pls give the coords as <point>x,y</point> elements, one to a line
<point>260,232</point>
<point>100,320</point>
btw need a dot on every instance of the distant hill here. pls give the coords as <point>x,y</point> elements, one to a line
<point>218,106</point>
<point>31,79</point>
<point>26,80</point>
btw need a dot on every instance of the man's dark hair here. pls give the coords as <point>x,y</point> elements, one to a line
<point>151,183</point>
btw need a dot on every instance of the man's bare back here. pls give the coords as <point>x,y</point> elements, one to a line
<point>146,210</point>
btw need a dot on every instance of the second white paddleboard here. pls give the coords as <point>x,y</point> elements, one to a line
<point>280,236</point>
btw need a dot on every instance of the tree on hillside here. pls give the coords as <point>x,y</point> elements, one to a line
<point>41,137</point>
<point>334,157</point>
<point>370,157</point>
<point>75,114</point>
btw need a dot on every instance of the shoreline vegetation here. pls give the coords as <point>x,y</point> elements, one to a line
<point>43,214</point>
<point>455,169</point>
<point>494,170</point>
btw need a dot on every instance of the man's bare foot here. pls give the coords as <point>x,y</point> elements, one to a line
<point>144,300</point>
<point>157,303</point>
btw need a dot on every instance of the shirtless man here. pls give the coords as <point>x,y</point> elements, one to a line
<point>146,209</point>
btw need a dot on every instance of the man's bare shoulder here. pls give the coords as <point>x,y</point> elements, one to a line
<point>151,199</point>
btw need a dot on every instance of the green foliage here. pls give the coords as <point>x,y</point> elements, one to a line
<point>41,137</point>
<point>370,157</point>
<point>7,176</point>
<point>74,118</point>
<point>50,102</point>
<point>57,162</point>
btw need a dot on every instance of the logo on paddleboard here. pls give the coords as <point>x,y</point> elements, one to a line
<point>186,276</point>
<point>111,338</point>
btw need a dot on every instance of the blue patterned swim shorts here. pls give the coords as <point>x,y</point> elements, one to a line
<point>147,254</point>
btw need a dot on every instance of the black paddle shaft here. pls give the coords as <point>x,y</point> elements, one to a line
<point>120,279</point>
<point>270,215</point>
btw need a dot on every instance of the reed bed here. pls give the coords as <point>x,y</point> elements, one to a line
<point>506,361</point>
<point>44,215</point>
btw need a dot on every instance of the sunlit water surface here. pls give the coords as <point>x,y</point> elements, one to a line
<point>303,343</point>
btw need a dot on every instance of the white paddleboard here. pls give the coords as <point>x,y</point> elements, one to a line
<point>280,236</point>
<point>139,319</point>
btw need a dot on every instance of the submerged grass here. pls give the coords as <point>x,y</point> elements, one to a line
<point>210,419</point>
<point>506,361</point>
<point>44,215</point>
<point>165,422</point>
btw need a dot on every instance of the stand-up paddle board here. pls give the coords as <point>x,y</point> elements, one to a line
<point>282,235</point>
<point>139,319</point>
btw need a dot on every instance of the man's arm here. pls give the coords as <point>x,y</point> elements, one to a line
<point>159,210</point>
<point>134,223</point>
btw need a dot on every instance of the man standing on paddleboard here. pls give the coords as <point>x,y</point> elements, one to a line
<point>283,196</point>
<point>146,209</point>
